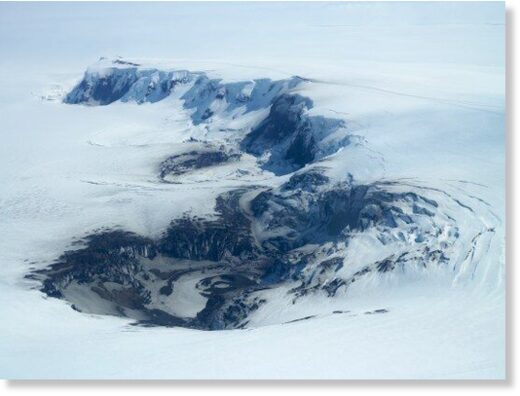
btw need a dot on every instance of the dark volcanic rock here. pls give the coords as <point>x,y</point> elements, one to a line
<point>182,163</point>
<point>105,86</point>
<point>111,256</point>
<point>252,95</point>
<point>105,89</point>
<point>290,135</point>
<point>226,237</point>
<point>282,122</point>
<point>306,181</point>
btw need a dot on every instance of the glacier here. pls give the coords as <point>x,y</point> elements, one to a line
<point>326,218</point>
<point>293,234</point>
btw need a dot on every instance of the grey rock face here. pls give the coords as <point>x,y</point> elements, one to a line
<point>251,95</point>
<point>289,135</point>
<point>126,81</point>
<point>126,84</point>
<point>227,237</point>
<point>180,164</point>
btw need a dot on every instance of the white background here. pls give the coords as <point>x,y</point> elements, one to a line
<point>397,387</point>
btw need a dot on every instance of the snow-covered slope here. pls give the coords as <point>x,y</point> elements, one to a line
<point>340,220</point>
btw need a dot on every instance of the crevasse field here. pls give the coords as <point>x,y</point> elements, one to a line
<point>278,190</point>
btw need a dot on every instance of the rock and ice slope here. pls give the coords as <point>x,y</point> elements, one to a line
<point>406,107</point>
<point>310,228</point>
<point>180,224</point>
